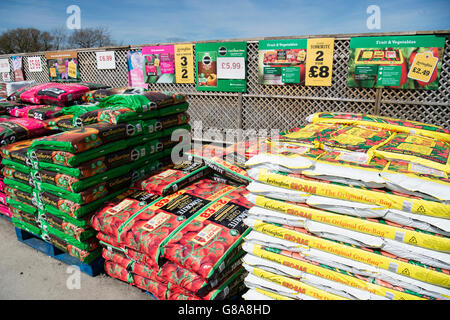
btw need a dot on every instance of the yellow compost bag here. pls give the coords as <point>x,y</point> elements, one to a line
<point>307,136</point>
<point>351,168</point>
<point>367,226</point>
<point>425,151</point>
<point>285,258</point>
<point>387,123</point>
<point>370,257</point>
<point>415,179</point>
<point>355,138</point>
<point>252,294</point>
<point>295,285</point>
<point>362,195</point>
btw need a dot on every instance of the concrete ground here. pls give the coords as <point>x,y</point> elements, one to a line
<point>26,273</point>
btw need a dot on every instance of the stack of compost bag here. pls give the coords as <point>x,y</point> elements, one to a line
<point>17,188</point>
<point>25,117</point>
<point>350,206</point>
<point>179,235</point>
<point>75,171</point>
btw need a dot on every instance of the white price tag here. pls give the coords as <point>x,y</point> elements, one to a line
<point>231,68</point>
<point>34,64</point>
<point>106,60</point>
<point>4,65</point>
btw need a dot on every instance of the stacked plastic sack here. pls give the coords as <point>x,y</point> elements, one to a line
<point>18,124</point>
<point>24,116</point>
<point>75,171</point>
<point>179,234</point>
<point>350,206</point>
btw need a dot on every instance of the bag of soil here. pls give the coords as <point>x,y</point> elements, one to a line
<point>391,124</point>
<point>206,243</point>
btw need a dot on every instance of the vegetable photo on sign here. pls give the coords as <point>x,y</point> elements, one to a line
<point>282,62</point>
<point>399,62</point>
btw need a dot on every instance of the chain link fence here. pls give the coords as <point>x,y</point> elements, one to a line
<point>266,107</point>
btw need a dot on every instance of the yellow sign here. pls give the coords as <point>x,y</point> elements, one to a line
<point>52,72</point>
<point>319,62</point>
<point>423,66</point>
<point>184,63</point>
<point>72,69</point>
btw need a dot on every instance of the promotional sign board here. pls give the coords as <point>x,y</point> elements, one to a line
<point>184,63</point>
<point>221,66</point>
<point>17,68</point>
<point>319,62</point>
<point>4,65</point>
<point>106,60</point>
<point>159,64</point>
<point>402,62</point>
<point>282,61</point>
<point>135,62</point>
<point>34,64</point>
<point>63,66</point>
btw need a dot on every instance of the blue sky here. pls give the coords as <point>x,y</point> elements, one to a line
<point>147,21</point>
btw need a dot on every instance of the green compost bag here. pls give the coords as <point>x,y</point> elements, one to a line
<point>17,175</point>
<point>155,149</point>
<point>61,224</point>
<point>19,195</point>
<point>117,114</point>
<point>71,208</point>
<point>88,244</point>
<point>70,159</point>
<point>70,248</point>
<point>80,222</point>
<point>16,152</point>
<point>89,137</point>
<point>72,184</point>
<point>26,226</point>
<point>29,218</point>
<point>16,165</point>
<point>16,184</point>
<point>143,101</point>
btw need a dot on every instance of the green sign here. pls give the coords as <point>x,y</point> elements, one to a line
<point>402,62</point>
<point>221,66</point>
<point>282,61</point>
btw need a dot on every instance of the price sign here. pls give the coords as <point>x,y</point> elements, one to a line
<point>72,69</point>
<point>4,65</point>
<point>34,64</point>
<point>106,60</point>
<point>423,66</point>
<point>319,62</point>
<point>231,68</point>
<point>184,63</point>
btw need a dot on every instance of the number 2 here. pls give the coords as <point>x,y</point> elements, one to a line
<point>319,56</point>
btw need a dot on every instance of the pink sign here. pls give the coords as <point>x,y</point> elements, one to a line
<point>159,64</point>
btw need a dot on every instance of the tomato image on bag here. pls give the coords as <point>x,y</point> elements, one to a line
<point>117,211</point>
<point>173,179</point>
<point>214,235</point>
<point>146,230</point>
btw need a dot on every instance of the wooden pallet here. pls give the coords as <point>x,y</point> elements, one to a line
<point>92,269</point>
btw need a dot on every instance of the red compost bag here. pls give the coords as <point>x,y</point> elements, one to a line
<point>147,229</point>
<point>228,162</point>
<point>207,243</point>
<point>171,272</point>
<point>108,219</point>
<point>173,179</point>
